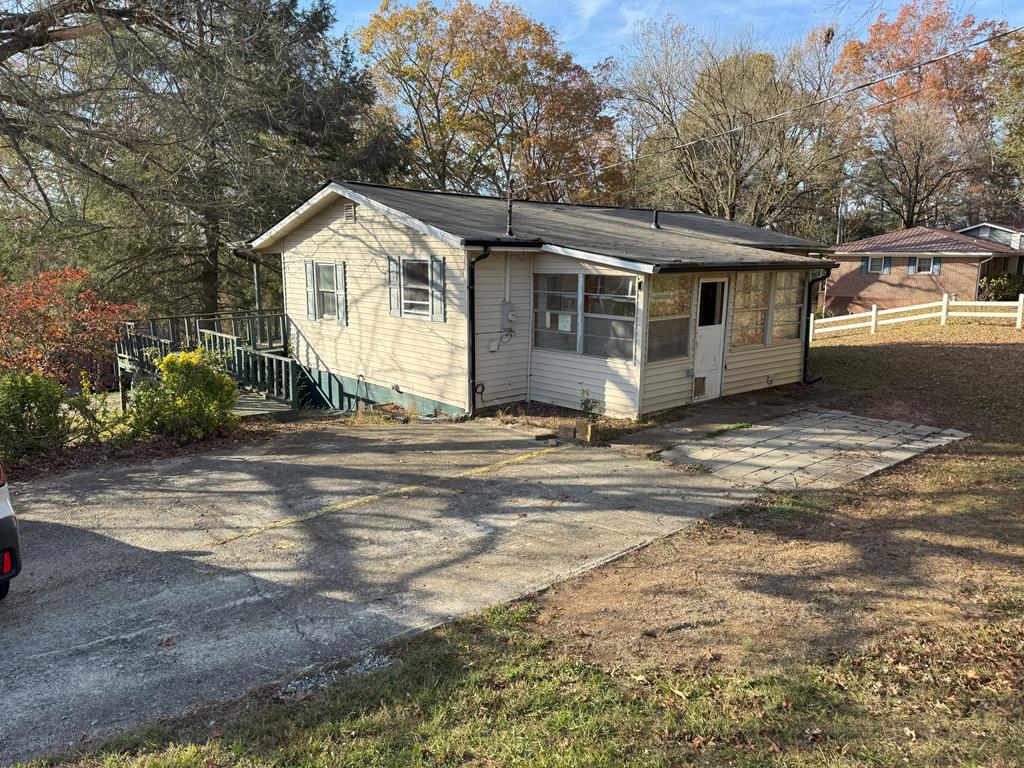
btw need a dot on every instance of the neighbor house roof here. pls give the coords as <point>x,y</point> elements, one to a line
<point>618,236</point>
<point>990,225</point>
<point>923,240</point>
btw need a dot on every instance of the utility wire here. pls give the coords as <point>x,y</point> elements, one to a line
<point>785,113</point>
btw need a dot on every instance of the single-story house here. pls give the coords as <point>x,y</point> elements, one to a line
<point>911,266</point>
<point>448,302</point>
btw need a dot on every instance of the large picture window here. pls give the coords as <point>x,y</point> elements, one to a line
<point>788,309</point>
<point>750,315</point>
<point>668,330</point>
<point>588,314</point>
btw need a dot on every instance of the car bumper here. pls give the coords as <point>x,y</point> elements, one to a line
<point>10,540</point>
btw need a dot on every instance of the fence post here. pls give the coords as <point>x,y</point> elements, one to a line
<point>945,309</point>
<point>874,318</point>
<point>810,328</point>
<point>1020,311</point>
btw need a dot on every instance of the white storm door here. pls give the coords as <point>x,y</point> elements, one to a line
<point>709,346</point>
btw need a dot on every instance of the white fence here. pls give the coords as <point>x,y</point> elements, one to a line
<point>1010,310</point>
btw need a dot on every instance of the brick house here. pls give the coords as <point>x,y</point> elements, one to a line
<point>912,266</point>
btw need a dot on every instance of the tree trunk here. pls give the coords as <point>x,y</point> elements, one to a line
<point>209,274</point>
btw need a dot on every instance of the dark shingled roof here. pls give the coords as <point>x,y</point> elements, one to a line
<point>923,240</point>
<point>685,241</point>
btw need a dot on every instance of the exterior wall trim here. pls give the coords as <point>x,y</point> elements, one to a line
<point>599,258</point>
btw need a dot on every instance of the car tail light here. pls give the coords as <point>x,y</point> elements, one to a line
<point>6,563</point>
<point>3,476</point>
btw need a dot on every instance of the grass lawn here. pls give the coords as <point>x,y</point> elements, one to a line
<point>882,624</point>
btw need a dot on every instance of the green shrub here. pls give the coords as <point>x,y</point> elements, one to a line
<point>1001,287</point>
<point>192,399</point>
<point>34,416</point>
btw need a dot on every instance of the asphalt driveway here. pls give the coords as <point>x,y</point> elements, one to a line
<point>149,589</point>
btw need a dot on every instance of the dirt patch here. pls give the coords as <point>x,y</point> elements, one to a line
<point>932,545</point>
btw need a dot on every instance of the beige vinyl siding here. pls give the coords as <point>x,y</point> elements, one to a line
<point>423,358</point>
<point>667,384</point>
<point>557,377</point>
<point>505,373</point>
<point>750,368</point>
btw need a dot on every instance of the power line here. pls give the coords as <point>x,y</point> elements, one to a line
<point>785,113</point>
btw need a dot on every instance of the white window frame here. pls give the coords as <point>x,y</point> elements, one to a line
<point>766,310</point>
<point>881,265</point>
<point>917,265</point>
<point>317,290</point>
<point>581,295</point>
<point>401,288</point>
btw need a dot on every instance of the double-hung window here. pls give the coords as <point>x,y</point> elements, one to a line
<point>591,315</point>
<point>325,291</point>
<point>750,316</point>
<point>876,264</point>
<point>788,305</point>
<point>668,327</point>
<point>416,287</point>
<point>923,265</point>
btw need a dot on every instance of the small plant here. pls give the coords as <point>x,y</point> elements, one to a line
<point>192,399</point>
<point>589,405</point>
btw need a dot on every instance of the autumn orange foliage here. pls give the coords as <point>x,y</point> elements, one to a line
<point>56,324</point>
<point>923,30</point>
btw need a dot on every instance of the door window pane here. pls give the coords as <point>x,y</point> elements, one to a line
<point>710,308</point>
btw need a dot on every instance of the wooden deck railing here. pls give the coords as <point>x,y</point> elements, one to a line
<point>247,343</point>
<point>275,376</point>
<point>259,330</point>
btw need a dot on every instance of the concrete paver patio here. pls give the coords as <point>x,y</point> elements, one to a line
<point>814,448</point>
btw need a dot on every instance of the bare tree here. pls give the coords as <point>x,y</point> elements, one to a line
<point>732,131</point>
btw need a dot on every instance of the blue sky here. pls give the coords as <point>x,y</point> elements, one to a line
<point>596,29</point>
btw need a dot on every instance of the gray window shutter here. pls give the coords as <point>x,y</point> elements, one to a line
<point>936,265</point>
<point>887,265</point>
<point>341,293</point>
<point>863,265</point>
<point>395,286</point>
<point>437,289</point>
<point>912,265</point>
<point>310,291</point>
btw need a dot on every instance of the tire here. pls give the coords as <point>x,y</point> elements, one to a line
<point>4,589</point>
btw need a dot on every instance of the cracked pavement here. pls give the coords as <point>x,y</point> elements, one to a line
<point>153,588</point>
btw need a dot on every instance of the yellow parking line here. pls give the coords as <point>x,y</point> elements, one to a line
<point>393,492</point>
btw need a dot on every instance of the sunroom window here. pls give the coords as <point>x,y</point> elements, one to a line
<point>787,312</point>
<point>592,315</point>
<point>555,311</point>
<point>609,311</point>
<point>668,330</point>
<point>753,294</point>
